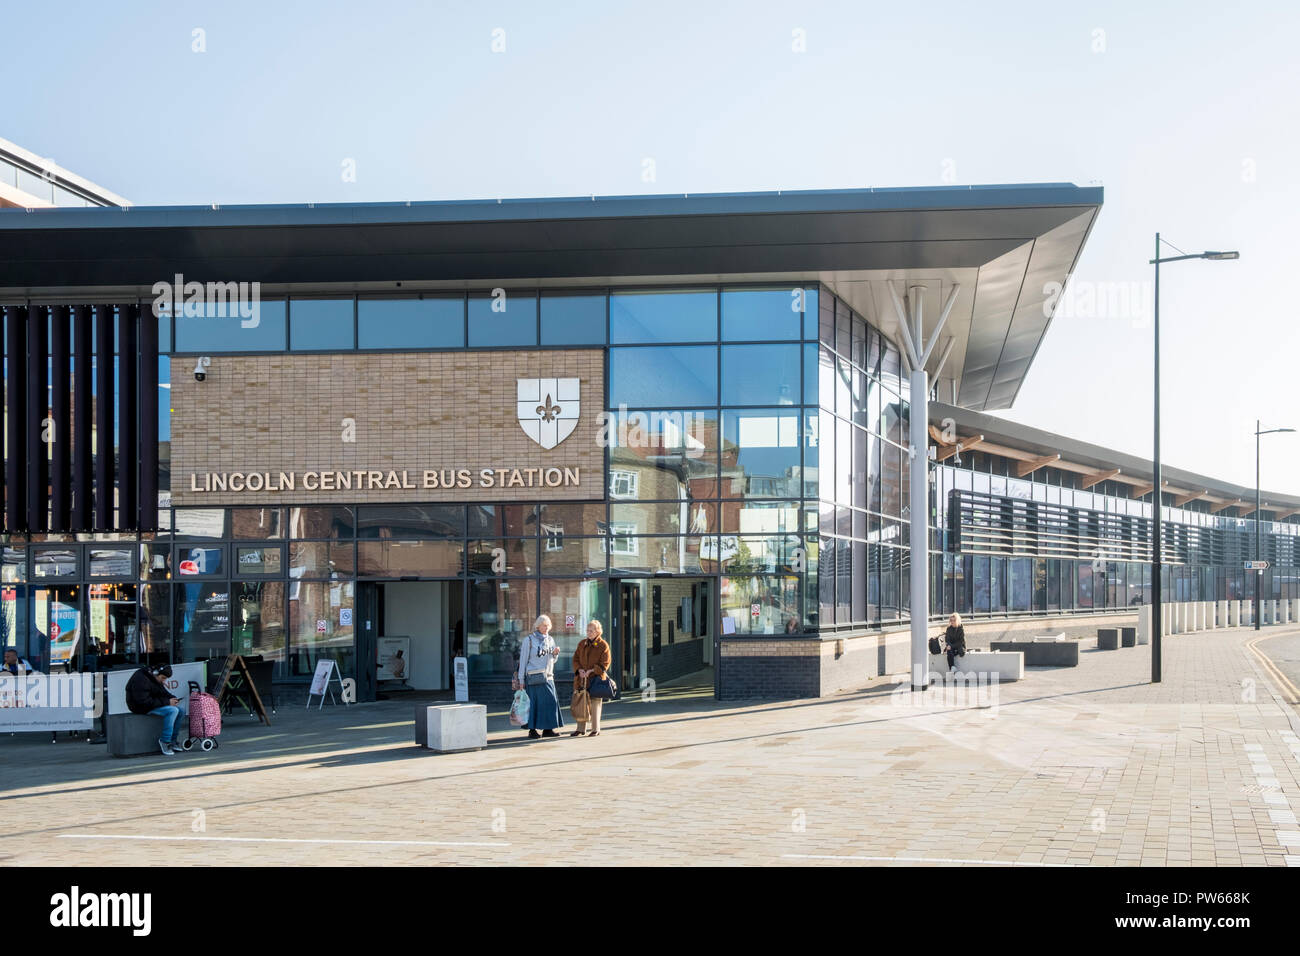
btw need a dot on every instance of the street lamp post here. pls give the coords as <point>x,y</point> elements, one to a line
<point>1259,574</point>
<point>1156,503</point>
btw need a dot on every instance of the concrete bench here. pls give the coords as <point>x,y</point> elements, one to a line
<point>130,735</point>
<point>1043,651</point>
<point>451,728</point>
<point>1008,665</point>
<point>1128,636</point>
<point>1107,638</point>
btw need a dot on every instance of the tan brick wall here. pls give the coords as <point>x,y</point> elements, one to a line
<point>413,411</point>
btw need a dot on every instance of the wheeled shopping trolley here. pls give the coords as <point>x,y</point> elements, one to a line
<point>205,719</point>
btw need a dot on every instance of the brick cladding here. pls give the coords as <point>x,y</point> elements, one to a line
<point>413,411</point>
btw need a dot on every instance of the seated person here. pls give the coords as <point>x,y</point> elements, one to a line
<point>14,664</point>
<point>146,693</point>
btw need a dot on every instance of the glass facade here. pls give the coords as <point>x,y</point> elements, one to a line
<point>757,441</point>
<point>1042,544</point>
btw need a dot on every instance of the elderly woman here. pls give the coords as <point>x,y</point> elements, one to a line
<point>537,677</point>
<point>955,640</point>
<point>591,659</point>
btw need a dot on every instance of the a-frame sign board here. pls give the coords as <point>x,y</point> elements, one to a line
<point>235,665</point>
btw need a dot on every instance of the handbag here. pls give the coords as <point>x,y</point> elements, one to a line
<point>536,678</point>
<point>580,706</point>
<point>935,648</point>
<point>603,688</point>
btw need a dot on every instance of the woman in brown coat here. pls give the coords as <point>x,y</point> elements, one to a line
<point>591,659</point>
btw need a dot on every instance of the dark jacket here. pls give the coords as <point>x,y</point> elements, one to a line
<point>144,693</point>
<point>956,638</point>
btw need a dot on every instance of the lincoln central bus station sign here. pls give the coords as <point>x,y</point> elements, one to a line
<point>375,480</point>
<point>389,427</point>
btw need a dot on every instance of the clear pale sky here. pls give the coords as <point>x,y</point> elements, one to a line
<point>1185,112</point>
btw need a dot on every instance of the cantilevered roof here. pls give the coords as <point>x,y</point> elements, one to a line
<point>1036,448</point>
<point>47,173</point>
<point>1001,244</point>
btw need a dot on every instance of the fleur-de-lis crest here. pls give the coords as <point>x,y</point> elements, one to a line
<point>549,410</point>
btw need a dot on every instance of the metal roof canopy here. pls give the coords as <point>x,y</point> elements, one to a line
<point>1003,244</point>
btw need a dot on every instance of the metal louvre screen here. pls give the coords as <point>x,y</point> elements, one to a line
<point>992,524</point>
<point>81,437</point>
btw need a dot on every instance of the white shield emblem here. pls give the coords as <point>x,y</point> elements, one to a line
<point>548,408</point>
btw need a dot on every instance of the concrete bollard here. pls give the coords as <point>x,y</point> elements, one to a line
<point>1221,614</point>
<point>1144,624</point>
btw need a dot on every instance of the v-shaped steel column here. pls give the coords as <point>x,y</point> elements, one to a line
<point>919,349</point>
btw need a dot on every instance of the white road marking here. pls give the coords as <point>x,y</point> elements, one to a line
<point>914,859</point>
<point>222,839</point>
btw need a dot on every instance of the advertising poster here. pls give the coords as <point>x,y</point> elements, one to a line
<point>394,658</point>
<point>65,630</point>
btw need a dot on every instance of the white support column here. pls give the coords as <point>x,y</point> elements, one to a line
<point>917,351</point>
<point>920,531</point>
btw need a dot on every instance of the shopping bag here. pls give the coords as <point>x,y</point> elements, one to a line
<point>580,706</point>
<point>519,709</point>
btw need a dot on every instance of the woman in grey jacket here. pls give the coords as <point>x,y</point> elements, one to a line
<point>537,676</point>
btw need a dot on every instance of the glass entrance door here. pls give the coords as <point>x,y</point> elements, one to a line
<point>666,633</point>
<point>113,628</point>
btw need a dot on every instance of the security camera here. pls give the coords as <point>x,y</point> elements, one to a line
<point>200,368</point>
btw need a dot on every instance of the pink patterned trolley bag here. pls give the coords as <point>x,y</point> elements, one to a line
<point>205,719</point>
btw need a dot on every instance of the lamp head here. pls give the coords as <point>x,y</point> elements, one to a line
<point>1221,255</point>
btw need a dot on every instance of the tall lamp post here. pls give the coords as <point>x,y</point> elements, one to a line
<point>1156,503</point>
<point>1259,574</point>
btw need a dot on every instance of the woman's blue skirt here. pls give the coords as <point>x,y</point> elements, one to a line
<point>544,707</point>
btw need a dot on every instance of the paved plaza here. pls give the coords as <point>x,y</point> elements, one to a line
<point>1090,766</point>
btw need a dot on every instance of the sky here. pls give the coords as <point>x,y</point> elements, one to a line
<point>1185,113</point>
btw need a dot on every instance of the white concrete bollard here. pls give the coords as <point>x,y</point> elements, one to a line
<point>1144,624</point>
<point>1221,614</point>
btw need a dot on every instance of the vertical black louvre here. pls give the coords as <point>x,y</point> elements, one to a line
<point>16,419</point>
<point>148,509</point>
<point>61,412</point>
<point>104,453</point>
<point>128,403</point>
<point>38,413</point>
<point>82,418</point>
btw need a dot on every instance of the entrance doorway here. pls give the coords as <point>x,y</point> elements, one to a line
<point>666,634</point>
<point>410,632</point>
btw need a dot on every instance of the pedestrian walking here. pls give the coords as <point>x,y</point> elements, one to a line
<point>590,660</point>
<point>537,677</point>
